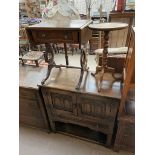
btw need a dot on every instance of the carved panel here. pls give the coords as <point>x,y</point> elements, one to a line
<point>60,102</point>
<point>100,108</point>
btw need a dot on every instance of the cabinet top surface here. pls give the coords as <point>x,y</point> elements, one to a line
<point>72,24</point>
<point>108,26</point>
<point>67,79</point>
<point>31,76</point>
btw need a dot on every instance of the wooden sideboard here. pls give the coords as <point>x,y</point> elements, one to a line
<point>85,107</point>
<point>31,105</point>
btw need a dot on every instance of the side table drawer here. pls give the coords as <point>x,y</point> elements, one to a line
<point>46,36</point>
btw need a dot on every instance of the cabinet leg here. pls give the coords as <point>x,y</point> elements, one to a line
<point>109,140</point>
<point>53,126</point>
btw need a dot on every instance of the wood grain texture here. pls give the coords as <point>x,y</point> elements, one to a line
<point>125,138</point>
<point>73,31</point>
<point>67,78</point>
<point>31,109</point>
<point>57,24</point>
<point>85,107</point>
<point>31,106</point>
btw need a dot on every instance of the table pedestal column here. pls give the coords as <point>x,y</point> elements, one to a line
<point>105,68</point>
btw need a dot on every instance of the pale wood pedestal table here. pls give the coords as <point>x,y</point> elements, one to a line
<point>106,28</point>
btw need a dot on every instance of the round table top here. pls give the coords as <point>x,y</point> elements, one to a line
<point>111,26</point>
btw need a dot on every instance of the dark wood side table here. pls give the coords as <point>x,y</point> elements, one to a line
<point>74,31</point>
<point>106,28</point>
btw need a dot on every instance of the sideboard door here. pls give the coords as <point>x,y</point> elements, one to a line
<point>101,110</point>
<point>61,103</point>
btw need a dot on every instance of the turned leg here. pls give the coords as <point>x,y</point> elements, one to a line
<point>104,60</point>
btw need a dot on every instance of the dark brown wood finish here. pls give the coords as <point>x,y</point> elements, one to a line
<point>31,105</point>
<point>74,31</point>
<point>85,107</point>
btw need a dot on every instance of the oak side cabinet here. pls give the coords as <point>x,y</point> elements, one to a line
<point>93,111</point>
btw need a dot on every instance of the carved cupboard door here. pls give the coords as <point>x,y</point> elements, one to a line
<point>61,103</point>
<point>101,110</point>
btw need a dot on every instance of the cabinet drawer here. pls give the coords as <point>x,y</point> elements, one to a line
<point>46,36</point>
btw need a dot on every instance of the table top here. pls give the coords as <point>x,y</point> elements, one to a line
<point>111,26</point>
<point>72,24</point>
